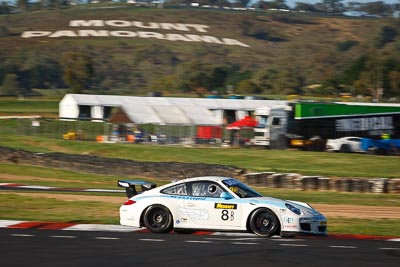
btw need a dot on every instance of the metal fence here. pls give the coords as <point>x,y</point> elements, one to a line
<point>107,132</point>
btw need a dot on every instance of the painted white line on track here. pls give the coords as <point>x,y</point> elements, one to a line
<point>343,247</point>
<point>394,239</point>
<point>106,238</point>
<point>152,240</point>
<point>245,243</point>
<point>101,227</point>
<point>390,248</point>
<point>288,240</point>
<point>104,190</point>
<point>294,245</point>
<point>63,236</point>
<point>232,239</point>
<point>234,234</point>
<point>23,235</point>
<point>36,187</point>
<point>198,241</point>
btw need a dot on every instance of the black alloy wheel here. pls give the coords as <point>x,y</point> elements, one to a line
<point>158,219</point>
<point>263,222</point>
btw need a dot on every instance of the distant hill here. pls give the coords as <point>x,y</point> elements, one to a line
<point>134,50</point>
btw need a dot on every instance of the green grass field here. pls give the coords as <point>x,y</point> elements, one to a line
<point>251,159</point>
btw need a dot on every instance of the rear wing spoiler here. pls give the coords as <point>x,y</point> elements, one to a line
<point>132,186</point>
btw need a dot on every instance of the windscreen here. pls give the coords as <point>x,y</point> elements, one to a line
<point>240,189</point>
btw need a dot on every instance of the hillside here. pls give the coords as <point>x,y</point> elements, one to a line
<point>132,50</point>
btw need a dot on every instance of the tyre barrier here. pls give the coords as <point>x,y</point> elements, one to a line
<point>305,183</point>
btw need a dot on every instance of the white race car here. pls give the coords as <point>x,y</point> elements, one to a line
<point>345,144</point>
<point>218,204</point>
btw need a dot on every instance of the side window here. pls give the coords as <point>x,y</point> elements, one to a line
<point>205,189</point>
<point>276,121</point>
<point>179,189</point>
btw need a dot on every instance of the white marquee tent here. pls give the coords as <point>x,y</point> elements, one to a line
<point>158,110</point>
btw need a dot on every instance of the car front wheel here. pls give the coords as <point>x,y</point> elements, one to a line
<point>158,219</point>
<point>263,222</point>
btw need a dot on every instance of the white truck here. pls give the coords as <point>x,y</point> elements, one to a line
<point>272,126</point>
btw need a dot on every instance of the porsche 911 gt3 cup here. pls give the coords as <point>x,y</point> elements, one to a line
<point>218,204</point>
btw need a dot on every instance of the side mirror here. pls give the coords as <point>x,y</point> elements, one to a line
<point>225,195</point>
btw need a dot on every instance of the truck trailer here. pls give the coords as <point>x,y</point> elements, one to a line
<point>307,125</point>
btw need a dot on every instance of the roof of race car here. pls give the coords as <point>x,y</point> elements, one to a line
<point>205,178</point>
<point>200,178</point>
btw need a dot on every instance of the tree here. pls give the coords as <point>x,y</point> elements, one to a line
<point>333,6</point>
<point>243,3</point>
<point>394,81</point>
<point>23,5</point>
<point>78,70</point>
<point>4,31</point>
<point>301,6</point>
<point>264,79</point>
<point>387,35</point>
<point>10,85</point>
<point>5,8</point>
<point>279,4</point>
<point>378,8</point>
<point>247,87</point>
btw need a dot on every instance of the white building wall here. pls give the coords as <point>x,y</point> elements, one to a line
<point>97,112</point>
<point>68,107</point>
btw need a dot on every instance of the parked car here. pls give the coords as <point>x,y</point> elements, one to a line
<point>216,203</point>
<point>345,144</point>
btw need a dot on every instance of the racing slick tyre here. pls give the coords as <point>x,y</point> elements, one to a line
<point>263,222</point>
<point>345,148</point>
<point>158,219</point>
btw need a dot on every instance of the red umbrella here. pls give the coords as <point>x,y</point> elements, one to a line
<point>246,122</point>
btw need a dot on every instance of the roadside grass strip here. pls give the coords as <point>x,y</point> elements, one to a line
<point>14,186</point>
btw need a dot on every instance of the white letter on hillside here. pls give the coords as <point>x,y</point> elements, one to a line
<point>152,25</point>
<point>118,23</point>
<point>63,34</point>
<point>199,27</point>
<point>174,26</point>
<point>30,34</point>
<point>176,37</point>
<point>86,33</point>
<point>86,23</point>
<point>123,34</point>
<point>203,38</point>
<point>228,41</point>
<point>151,35</point>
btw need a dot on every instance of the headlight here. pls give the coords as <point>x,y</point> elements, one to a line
<point>293,208</point>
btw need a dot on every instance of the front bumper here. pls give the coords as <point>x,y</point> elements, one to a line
<point>316,225</point>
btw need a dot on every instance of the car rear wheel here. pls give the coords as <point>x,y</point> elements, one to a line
<point>263,222</point>
<point>345,148</point>
<point>158,219</point>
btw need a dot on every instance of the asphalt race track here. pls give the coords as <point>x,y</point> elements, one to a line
<point>33,247</point>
